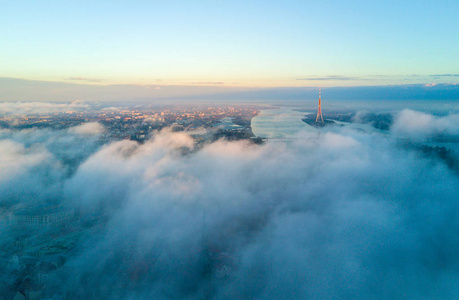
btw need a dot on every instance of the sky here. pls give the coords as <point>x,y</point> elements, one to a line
<point>231,43</point>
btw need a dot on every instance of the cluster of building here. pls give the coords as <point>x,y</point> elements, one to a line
<point>43,217</point>
<point>137,122</point>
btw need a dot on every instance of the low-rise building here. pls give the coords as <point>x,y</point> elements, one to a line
<point>40,217</point>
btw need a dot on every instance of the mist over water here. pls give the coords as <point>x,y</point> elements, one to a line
<point>333,213</point>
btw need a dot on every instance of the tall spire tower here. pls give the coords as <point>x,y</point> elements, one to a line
<point>319,117</point>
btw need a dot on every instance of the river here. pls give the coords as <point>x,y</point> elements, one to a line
<point>278,123</point>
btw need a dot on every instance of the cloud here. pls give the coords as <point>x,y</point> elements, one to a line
<point>332,140</point>
<point>289,222</point>
<point>331,77</point>
<point>419,125</point>
<point>28,175</point>
<point>34,162</point>
<point>85,79</point>
<point>333,214</point>
<point>28,108</point>
<point>208,82</point>
<point>25,90</point>
<point>15,160</point>
<point>91,128</point>
<point>444,75</point>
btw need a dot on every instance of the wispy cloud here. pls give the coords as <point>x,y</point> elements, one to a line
<point>85,79</point>
<point>444,75</point>
<point>29,108</point>
<point>331,77</point>
<point>430,84</point>
<point>208,82</point>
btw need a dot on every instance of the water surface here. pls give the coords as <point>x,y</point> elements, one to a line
<point>281,122</point>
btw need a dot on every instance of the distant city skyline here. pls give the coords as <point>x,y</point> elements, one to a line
<point>231,44</point>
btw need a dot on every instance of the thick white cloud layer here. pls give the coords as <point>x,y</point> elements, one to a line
<point>92,128</point>
<point>338,214</point>
<point>34,163</point>
<point>419,125</point>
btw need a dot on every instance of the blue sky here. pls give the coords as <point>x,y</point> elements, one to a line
<point>231,43</point>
